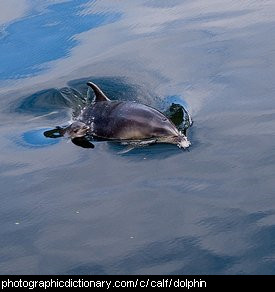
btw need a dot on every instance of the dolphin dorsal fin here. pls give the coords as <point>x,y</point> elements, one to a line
<point>99,95</point>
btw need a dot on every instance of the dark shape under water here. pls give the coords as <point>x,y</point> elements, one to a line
<point>179,116</point>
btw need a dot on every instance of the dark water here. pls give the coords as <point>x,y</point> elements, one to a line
<point>155,210</point>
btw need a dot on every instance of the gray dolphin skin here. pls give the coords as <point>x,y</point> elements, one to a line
<point>125,121</point>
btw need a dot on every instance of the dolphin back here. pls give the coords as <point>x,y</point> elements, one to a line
<point>127,120</point>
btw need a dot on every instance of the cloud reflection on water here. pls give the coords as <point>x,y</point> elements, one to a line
<point>214,203</point>
<point>25,52</point>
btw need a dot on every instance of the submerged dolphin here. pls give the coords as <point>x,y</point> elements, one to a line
<point>123,121</point>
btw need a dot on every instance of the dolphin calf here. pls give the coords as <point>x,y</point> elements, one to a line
<point>123,121</point>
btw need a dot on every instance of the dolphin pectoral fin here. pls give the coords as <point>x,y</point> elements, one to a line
<point>176,114</point>
<point>99,95</point>
<point>83,142</point>
<point>55,133</point>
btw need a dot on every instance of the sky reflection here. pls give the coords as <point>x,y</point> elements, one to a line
<point>210,209</point>
<point>44,36</point>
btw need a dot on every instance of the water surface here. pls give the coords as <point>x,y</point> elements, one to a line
<point>155,210</point>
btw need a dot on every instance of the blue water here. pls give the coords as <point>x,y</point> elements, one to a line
<point>154,210</point>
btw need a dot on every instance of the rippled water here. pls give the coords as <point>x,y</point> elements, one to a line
<point>155,210</point>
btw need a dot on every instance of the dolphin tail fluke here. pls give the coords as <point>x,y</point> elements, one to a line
<point>55,133</point>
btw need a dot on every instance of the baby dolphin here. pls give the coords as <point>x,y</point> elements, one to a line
<point>124,121</point>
